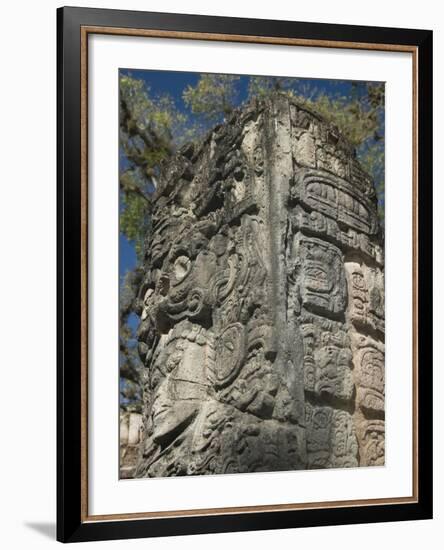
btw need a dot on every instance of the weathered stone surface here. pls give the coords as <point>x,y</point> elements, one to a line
<point>262,304</point>
<point>130,432</point>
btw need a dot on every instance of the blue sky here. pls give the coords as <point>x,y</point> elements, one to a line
<point>175,82</point>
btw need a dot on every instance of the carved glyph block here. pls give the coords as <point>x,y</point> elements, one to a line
<point>321,274</point>
<point>366,296</point>
<point>335,197</point>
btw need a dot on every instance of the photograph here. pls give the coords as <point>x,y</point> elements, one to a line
<point>251,273</point>
<point>222,241</point>
<point>244,274</point>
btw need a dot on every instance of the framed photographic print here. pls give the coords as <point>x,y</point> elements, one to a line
<point>245,266</point>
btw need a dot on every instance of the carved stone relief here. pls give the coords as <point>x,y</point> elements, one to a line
<point>262,303</point>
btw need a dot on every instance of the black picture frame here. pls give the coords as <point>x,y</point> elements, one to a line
<point>73,523</point>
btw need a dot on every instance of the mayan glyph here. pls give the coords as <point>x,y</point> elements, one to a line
<point>262,302</point>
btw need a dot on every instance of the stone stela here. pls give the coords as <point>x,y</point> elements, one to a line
<point>262,302</point>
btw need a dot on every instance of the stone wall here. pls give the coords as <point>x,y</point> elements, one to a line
<point>262,304</point>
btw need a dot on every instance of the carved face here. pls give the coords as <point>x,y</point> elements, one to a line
<point>183,281</point>
<point>178,398</point>
<point>176,404</point>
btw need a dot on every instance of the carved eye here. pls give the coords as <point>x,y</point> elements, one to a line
<point>182,267</point>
